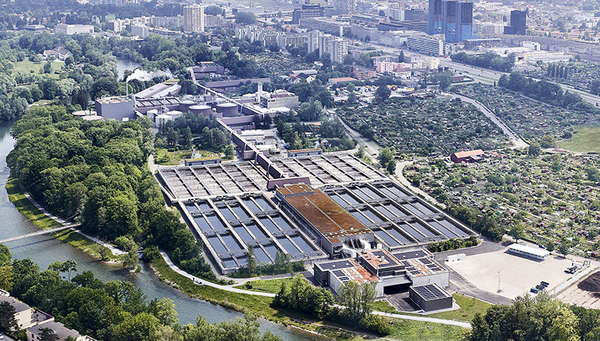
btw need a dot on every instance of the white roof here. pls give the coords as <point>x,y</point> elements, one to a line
<point>532,250</point>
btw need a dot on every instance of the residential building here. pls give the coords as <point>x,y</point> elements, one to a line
<point>62,332</point>
<point>23,312</point>
<point>334,26</point>
<point>363,73</point>
<point>344,6</point>
<point>193,18</point>
<point>140,31</point>
<point>60,53</point>
<point>313,40</point>
<point>429,46</point>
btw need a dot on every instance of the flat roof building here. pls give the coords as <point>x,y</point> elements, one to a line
<point>468,156</point>
<point>430,297</point>
<point>531,252</point>
<point>321,216</point>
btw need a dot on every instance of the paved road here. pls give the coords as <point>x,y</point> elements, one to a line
<point>512,136</point>
<point>371,148</point>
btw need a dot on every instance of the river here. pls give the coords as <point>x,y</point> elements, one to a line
<point>45,250</point>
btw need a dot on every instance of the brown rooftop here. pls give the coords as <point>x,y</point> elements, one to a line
<point>469,153</point>
<point>322,212</point>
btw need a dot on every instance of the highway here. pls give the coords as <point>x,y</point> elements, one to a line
<point>481,75</point>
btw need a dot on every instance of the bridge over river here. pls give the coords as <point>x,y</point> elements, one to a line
<point>40,233</point>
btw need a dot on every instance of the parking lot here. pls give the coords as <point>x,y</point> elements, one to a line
<point>515,274</point>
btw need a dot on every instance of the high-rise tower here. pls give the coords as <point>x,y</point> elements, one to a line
<point>193,18</point>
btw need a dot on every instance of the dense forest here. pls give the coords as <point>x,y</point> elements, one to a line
<point>96,173</point>
<point>114,310</point>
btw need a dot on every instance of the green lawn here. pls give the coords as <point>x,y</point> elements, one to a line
<point>82,243</point>
<point>37,217</point>
<point>261,285</point>
<point>26,65</point>
<point>587,139</point>
<point>384,306</point>
<point>407,330</point>
<point>469,306</point>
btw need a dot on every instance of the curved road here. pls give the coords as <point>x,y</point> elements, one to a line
<point>512,136</point>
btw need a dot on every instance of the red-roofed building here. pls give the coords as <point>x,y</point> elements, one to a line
<point>468,156</point>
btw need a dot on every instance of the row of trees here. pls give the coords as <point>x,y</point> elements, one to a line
<point>453,244</point>
<point>545,91</point>
<point>484,223</point>
<point>489,60</point>
<point>281,265</point>
<point>114,310</point>
<point>559,71</point>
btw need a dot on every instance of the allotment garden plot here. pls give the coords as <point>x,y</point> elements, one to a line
<point>422,127</point>
<point>529,118</point>
<point>554,197</point>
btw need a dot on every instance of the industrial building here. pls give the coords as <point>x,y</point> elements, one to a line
<point>453,19</point>
<point>389,272</point>
<point>73,29</point>
<point>278,99</point>
<point>120,108</point>
<point>530,252</point>
<point>323,206</point>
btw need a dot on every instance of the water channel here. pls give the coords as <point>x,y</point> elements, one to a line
<point>45,250</point>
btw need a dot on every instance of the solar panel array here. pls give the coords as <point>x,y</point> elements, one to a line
<point>342,264</point>
<point>430,292</point>
<point>411,254</point>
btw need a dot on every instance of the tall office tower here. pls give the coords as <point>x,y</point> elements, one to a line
<point>452,18</point>
<point>193,18</point>
<point>518,23</point>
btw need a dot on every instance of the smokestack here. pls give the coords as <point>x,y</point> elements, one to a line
<point>259,92</point>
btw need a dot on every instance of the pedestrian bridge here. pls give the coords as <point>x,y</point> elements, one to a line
<point>38,233</point>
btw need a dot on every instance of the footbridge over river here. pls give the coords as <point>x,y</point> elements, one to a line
<point>57,229</point>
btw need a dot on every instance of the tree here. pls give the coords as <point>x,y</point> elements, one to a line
<point>229,151</point>
<point>48,67</point>
<point>247,18</point>
<point>550,245</point>
<point>8,321</point>
<point>358,299</point>
<point>401,57</point>
<point>251,260</point>
<point>382,93</point>
<point>385,156</point>
<point>547,141</point>
<point>444,79</point>
<point>517,232</point>
<point>534,150</point>
<point>141,327</point>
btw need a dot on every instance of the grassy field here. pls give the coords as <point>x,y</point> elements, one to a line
<point>271,285</point>
<point>165,157</point>
<point>37,217</point>
<point>407,330</point>
<point>26,65</point>
<point>587,139</point>
<point>384,306</point>
<point>469,306</point>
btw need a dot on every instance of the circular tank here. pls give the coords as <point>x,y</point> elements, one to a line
<point>201,110</point>
<point>184,106</point>
<point>175,113</point>
<point>152,114</point>
<point>227,109</point>
<point>162,119</point>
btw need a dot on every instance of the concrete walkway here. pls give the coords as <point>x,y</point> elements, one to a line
<point>210,284</point>
<point>425,319</point>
